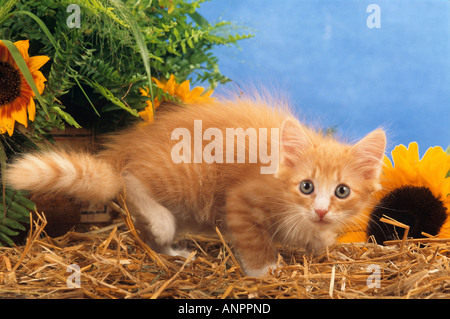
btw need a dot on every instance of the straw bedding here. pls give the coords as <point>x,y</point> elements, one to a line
<point>114,263</point>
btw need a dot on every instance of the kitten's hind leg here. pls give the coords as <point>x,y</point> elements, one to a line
<point>155,223</point>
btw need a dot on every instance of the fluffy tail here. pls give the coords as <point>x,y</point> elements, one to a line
<point>78,175</point>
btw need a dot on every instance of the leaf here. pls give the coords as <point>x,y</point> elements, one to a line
<point>3,164</point>
<point>6,240</point>
<point>144,53</point>
<point>176,33</point>
<point>11,223</point>
<point>97,7</point>
<point>86,96</point>
<point>7,231</point>
<point>66,116</point>
<point>110,97</point>
<point>190,43</point>
<point>15,209</point>
<point>42,25</point>
<point>5,8</point>
<point>199,19</point>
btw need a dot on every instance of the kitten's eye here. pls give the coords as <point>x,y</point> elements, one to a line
<point>342,191</point>
<point>306,187</point>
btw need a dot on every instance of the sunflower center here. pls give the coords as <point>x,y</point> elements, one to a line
<point>414,206</point>
<point>9,83</point>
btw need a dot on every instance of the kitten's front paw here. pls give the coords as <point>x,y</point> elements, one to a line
<point>177,252</point>
<point>261,272</point>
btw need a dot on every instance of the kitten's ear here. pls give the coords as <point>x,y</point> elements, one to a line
<point>293,141</point>
<point>369,154</point>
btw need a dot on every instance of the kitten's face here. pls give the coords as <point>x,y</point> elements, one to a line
<point>326,191</point>
<point>329,183</point>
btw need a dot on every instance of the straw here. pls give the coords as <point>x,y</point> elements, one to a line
<point>114,263</point>
<point>391,221</point>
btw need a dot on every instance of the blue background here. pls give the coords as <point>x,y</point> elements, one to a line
<point>338,72</point>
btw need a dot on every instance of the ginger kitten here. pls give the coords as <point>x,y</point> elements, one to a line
<point>249,168</point>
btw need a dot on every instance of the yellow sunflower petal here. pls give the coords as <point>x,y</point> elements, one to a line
<point>31,110</point>
<point>352,237</point>
<point>36,62</point>
<point>387,163</point>
<point>169,87</point>
<point>158,83</point>
<point>435,160</point>
<point>20,115</point>
<point>197,91</point>
<point>6,122</point>
<point>183,90</point>
<point>147,114</point>
<point>399,150</point>
<point>23,46</point>
<point>144,91</point>
<point>433,168</point>
<point>412,154</point>
<point>180,91</point>
<point>39,80</point>
<point>446,189</point>
<point>208,94</point>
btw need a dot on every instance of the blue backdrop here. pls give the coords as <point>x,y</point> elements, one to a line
<point>344,67</point>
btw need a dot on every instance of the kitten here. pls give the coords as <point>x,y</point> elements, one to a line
<point>180,178</point>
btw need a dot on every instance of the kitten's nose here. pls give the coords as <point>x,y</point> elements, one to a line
<point>321,212</point>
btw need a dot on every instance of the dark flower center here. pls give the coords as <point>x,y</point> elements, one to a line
<point>9,83</point>
<point>414,206</point>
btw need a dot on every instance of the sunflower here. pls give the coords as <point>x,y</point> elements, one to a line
<point>181,91</point>
<point>16,96</point>
<point>415,192</point>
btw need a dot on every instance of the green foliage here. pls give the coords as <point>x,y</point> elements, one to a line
<point>15,209</point>
<point>96,70</point>
<point>5,7</point>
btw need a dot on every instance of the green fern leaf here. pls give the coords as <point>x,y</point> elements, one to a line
<point>15,210</point>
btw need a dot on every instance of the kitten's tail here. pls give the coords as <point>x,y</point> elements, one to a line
<point>79,175</point>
